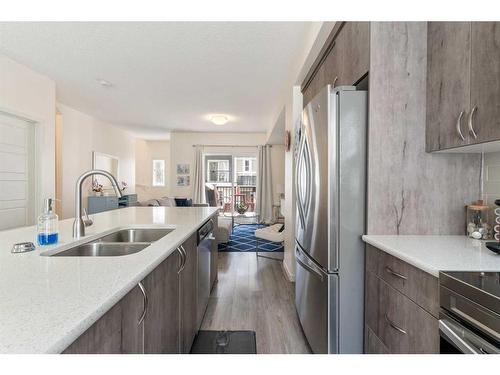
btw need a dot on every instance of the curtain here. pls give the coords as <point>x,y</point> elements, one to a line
<point>264,185</point>
<point>198,183</point>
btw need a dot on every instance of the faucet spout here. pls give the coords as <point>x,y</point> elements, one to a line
<point>78,224</point>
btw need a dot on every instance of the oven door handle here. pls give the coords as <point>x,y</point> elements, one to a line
<point>460,337</point>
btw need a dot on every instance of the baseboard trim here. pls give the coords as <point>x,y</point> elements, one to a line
<point>289,275</point>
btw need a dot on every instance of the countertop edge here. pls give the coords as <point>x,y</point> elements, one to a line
<point>400,255</point>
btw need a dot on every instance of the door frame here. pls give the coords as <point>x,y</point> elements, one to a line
<point>37,137</point>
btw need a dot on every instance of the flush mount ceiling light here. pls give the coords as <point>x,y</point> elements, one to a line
<point>104,83</point>
<point>219,119</point>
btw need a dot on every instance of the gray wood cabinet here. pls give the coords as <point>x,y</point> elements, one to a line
<point>170,321</point>
<point>189,295</point>
<point>103,337</point>
<point>395,320</point>
<point>463,84</point>
<point>132,306</point>
<point>345,62</point>
<point>485,81</point>
<point>162,321</point>
<point>354,51</point>
<point>448,84</point>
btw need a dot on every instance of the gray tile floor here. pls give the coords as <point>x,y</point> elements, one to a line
<point>253,294</point>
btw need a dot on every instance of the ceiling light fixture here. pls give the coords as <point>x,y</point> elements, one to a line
<point>219,119</point>
<point>104,83</point>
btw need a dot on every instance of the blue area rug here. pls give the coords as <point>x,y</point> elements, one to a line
<point>243,239</point>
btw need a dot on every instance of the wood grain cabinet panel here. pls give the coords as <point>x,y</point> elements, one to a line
<point>373,345</point>
<point>397,304</point>
<point>346,61</point>
<point>354,52</point>
<point>371,301</point>
<point>103,337</point>
<point>448,84</point>
<point>404,327</point>
<point>132,306</point>
<point>161,325</point>
<point>420,286</point>
<point>485,81</point>
<point>189,296</point>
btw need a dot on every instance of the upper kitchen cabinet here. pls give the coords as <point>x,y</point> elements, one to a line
<point>484,119</point>
<point>354,44</point>
<point>448,84</point>
<point>463,84</point>
<point>343,61</point>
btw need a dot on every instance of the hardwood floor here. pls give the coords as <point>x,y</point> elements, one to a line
<point>253,294</point>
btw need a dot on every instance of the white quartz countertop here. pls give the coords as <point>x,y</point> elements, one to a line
<point>47,302</point>
<point>438,253</point>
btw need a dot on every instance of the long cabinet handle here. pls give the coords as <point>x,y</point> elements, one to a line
<point>459,125</point>
<point>394,273</point>
<point>145,301</point>
<point>182,253</point>
<point>471,124</point>
<point>399,329</point>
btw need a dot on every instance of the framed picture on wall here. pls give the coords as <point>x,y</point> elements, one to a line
<point>182,180</point>
<point>183,169</point>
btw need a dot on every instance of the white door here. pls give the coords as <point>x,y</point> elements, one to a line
<point>16,172</point>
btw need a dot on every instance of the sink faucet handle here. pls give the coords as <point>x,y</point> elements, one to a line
<point>87,221</point>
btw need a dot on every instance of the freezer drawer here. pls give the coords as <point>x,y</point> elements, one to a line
<point>316,296</point>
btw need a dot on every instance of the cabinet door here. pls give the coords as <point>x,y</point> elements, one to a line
<point>448,84</point>
<point>189,295</point>
<point>354,48</point>
<point>485,81</point>
<point>373,345</point>
<point>161,325</point>
<point>132,306</point>
<point>403,326</point>
<point>103,337</point>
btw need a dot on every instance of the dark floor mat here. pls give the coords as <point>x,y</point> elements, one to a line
<point>224,342</point>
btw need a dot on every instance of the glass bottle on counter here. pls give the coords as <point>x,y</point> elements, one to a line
<point>479,225</point>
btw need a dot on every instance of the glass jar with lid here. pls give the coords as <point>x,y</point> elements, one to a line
<point>479,221</point>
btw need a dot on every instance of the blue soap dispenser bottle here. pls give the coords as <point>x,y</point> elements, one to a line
<point>48,225</point>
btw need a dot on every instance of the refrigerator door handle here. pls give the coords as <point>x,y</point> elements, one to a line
<point>297,186</point>
<point>299,257</point>
<point>309,171</point>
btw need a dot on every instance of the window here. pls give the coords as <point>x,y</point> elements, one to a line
<point>245,172</point>
<point>158,172</point>
<point>218,171</point>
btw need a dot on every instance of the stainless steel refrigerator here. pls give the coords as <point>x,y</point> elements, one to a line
<point>330,176</point>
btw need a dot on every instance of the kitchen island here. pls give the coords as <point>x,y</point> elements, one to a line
<point>49,302</point>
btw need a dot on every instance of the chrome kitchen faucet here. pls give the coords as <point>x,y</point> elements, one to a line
<point>79,224</point>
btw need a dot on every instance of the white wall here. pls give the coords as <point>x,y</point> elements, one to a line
<point>182,152</point>
<point>26,93</point>
<point>145,152</point>
<point>83,134</point>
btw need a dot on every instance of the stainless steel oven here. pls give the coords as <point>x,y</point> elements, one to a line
<point>470,312</point>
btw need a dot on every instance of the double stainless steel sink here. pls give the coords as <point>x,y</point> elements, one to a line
<point>119,243</point>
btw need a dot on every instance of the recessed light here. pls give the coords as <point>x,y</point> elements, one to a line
<point>219,119</point>
<point>104,83</point>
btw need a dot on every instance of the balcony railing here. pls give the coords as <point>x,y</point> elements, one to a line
<point>246,180</point>
<point>242,194</point>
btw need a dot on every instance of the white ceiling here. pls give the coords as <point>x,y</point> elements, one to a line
<point>166,75</point>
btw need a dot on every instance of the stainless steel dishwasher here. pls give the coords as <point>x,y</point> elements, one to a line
<point>205,243</point>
